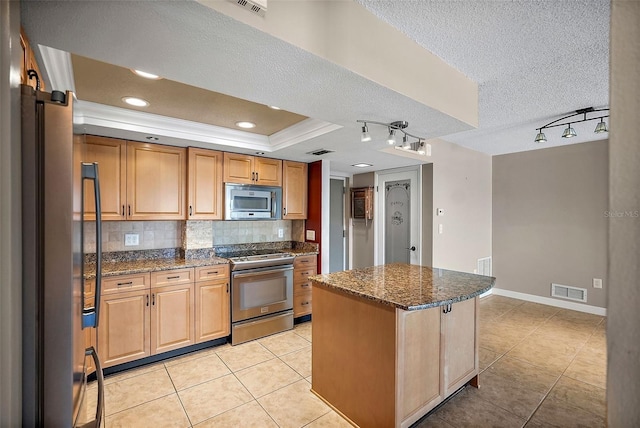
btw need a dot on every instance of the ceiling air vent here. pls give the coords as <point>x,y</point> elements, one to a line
<point>258,7</point>
<point>320,152</point>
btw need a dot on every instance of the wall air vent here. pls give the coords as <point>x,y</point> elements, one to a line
<point>568,292</point>
<point>259,7</point>
<point>320,152</point>
<point>484,266</point>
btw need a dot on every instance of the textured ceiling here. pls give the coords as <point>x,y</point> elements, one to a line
<point>534,61</point>
<point>107,84</point>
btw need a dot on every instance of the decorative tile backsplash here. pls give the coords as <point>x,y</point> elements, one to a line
<point>205,234</point>
<point>151,235</point>
<point>191,234</point>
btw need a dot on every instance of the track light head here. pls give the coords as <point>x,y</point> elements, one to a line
<point>391,139</point>
<point>405,143</point>
<point>365,134</point>
<point>601,127</point>
<point>569,132</point>
<point>541,138</point>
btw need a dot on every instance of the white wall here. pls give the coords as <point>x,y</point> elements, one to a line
<point>462,187</point>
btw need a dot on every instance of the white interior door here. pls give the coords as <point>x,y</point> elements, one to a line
<point>398,232</point>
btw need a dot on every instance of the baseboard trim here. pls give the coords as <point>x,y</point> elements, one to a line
<point>596,310</point>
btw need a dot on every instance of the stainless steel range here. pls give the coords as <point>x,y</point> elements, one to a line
<point>261,294</point>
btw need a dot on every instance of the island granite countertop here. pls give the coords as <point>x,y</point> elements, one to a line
<point>407,287</point>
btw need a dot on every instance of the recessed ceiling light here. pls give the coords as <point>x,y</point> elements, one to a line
<point>361,165</point>
<point>151,138</point>
<point>138,102</point>
<point>146,75</point>
<point>246,125</point>
<point>259,153</point>
<point>275,108</point>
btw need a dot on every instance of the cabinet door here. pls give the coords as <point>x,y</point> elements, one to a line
<point>171,318</point>
<point>123,332</point>
<point>238,168</point>
<point>460,344</point>
<point>294,190</point>
<point>156,182</point>
<point>110,154</point>
<point>205,185</point>
<point>212,310</point>
<point>268,171</point>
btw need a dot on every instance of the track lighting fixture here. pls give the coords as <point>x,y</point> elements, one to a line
<point>391,139</point>
<point>365,134</point>
<point>569,131</point>
<point>419,146</point>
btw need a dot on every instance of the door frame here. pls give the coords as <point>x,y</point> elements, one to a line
<point>346,250</point>
<point>411,173</point>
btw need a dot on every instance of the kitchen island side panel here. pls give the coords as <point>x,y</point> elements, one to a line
<point>353,356</point>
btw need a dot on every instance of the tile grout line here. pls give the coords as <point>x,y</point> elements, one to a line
<point>178,395</point>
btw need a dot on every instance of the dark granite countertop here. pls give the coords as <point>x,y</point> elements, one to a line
<point>157,260</point>
<point>407,287</point>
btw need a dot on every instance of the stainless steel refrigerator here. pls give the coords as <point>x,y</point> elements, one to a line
<point>55,312</point>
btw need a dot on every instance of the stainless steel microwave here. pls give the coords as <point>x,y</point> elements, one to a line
<point>248,202</point>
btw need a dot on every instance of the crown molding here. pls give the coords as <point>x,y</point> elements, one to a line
<point>58,66</point>
<point>89,113</point>
<point>301,131</point>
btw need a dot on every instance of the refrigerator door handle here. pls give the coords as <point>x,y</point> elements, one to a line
<point>90,315</point>
<point>97,422</point>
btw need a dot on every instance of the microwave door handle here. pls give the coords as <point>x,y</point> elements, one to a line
<point>90,315</point>
<point>273,205</point>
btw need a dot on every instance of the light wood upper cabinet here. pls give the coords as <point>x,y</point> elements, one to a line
<point>294,190</point>
<point>156,182</point>
<point>29,62</point>
<point>245,169</point>
<point>138,181</point>
<point>268,171</point>
<point>205,184</point>
<point>111,156</point>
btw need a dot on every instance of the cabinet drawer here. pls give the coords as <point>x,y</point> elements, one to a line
<point>304,261</point>
<point>207,273</point>
<point>89,287</point>
<point>117,284</point>
<point>302,304</point>
<point>171,277</point>
<point>301,287</point>
<point>302,275</point>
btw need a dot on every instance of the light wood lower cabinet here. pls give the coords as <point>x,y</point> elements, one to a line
<point>212,310</point>
<point>151,313</point>
<point>172,317</point>
<point>303,268</point>
<point>123,330</point>
<point>460,344</point>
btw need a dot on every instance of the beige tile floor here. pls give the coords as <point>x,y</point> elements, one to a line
<point>541,366</point>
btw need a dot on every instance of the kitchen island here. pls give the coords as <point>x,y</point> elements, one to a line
<point>391,342</point>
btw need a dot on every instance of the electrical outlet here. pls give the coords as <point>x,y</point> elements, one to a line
<point>280,233</point>
<point>131,239</point>
<point>597,283</point>
<point>311,235</point>
<point>440,228</point>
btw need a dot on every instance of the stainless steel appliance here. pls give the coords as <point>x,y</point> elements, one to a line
<point>54,309</point>
<point>261,294</point>
<point>247,202</point>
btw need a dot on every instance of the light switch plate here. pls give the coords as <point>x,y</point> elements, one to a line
<point>131,239</point>
<point>280,233</point>
<point>311,235</point>
<point>597,283</point>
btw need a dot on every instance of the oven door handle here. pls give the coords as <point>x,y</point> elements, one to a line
<point>263,272</point>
